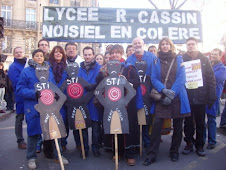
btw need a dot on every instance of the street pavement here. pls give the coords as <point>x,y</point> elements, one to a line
<point>12,158</point>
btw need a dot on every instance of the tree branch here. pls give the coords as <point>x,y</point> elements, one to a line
<point>153,4</point>
<point>182,3</point>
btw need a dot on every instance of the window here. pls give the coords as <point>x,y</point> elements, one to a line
<point>7,14</point>
<point>30,18</point>
<point>75,2</point>
<point>54,1</point>
<point>29,45</point>
<point>7,44</point>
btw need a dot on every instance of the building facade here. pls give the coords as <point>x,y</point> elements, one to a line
<point>23,23</point>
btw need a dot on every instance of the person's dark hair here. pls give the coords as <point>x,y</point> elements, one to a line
<point>71,43</point>
<point>37,51</point>
<point>88,48</point>
<point>152,46</point>
<point>217,49</point>
<point>108,48</point>
<point>192,38</point>
<point>51,56</point>
<point>117,48</point>
<point>127,48</point>
<point>43,40</point>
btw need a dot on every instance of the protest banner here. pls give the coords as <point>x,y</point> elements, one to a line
<point>119,25</point>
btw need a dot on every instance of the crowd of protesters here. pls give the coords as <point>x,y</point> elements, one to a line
<point>186,107</point>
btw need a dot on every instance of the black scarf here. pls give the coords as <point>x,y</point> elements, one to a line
<point>166,56</point>
<point>58,69</point>
<point>72,59</point>
<point>22,61</point>
<point>2,73</point>
<point>89,65</point>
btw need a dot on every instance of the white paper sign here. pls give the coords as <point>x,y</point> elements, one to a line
<point>193,74</point>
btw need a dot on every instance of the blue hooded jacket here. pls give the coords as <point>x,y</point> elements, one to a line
<point>149,58</point>
<point>14,73</point>
<point>220,76</point>
<point>90,77</point>
<point>25,88</point>
<point>178,86</point>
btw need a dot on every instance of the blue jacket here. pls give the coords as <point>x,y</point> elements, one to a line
<point>220,76</point>
<point>139,98</point>
<point>178,86</point>
<point>90,77</point>
<point>63,110</point>
<point>25,88</point>
<point>147,56</point>
<point>14,74</point>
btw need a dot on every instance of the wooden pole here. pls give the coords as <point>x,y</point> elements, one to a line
<point>140,140</point>
<point>82,144</point>
<point>59,154</point>
<point>116,152</point>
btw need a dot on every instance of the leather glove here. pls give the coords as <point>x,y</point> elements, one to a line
<point>166,101</point>
<point>169,93</point>
<point>37,95</point>
<point>56,96</point>
<point>90,87</point>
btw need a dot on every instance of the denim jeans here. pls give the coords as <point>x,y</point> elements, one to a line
<point>19,128</point>
<point>31,147</point>
<point>96,135</point>
<point>212,127</point>
<point>223,117</point>
<point>39,142</point>
<point>85,138</point>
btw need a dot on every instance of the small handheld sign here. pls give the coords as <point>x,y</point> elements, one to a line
<point>144,117</point>
<point>51,120</point>
<point>77,99</point>
<point>115,119</point>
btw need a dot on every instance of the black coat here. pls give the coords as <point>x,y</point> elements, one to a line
<point>207,93</point>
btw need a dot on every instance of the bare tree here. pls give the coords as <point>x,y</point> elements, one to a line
<point>174,4</point>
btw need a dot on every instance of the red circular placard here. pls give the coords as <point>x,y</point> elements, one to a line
<point>143,90</point>
<point>75,90</point>
<point>47,97</point>
<point>114,94</point>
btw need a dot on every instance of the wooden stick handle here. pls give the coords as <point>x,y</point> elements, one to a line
<point>59,154</point>
<point>82,144</point>
<point>116,152</point>
<point>140,140</point>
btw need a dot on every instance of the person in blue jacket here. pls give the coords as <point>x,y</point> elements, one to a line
<point>25,89</point>
<point>174,103</point>
<point>220,75</point>
<point>141,54</point>
<point>88,70</point>
<point>14,73</point>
